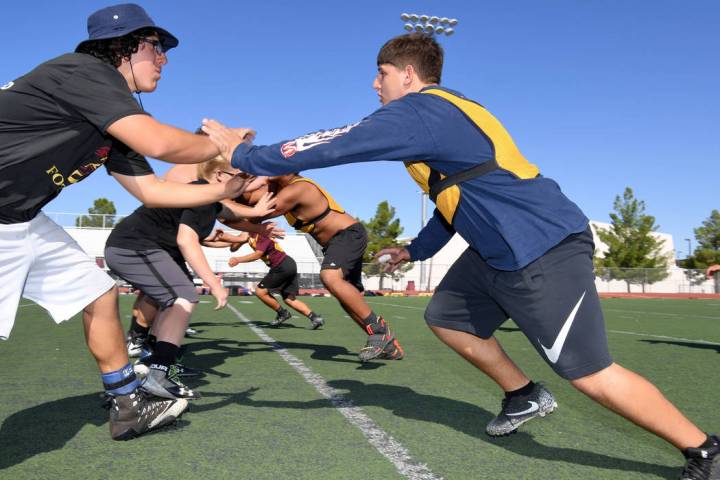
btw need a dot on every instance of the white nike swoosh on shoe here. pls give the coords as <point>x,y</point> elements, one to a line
<point>553,354</point>
<point>534,407</point>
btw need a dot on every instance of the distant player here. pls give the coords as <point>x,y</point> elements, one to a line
<point>282,278</point>
<point>530,249</point>
<point>310,209</point>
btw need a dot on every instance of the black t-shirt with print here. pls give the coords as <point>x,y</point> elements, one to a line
<point>53,124</point>
<point>153,228</point>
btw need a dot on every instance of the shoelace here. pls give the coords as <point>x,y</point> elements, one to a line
<point>697,468</point>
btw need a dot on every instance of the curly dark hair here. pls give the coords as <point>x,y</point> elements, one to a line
<point>114,50</point>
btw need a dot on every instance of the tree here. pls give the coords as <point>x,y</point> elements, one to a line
<point>102,215</point>
<point>634,254</point>
<point>707,252</point>
<point>383,230</point>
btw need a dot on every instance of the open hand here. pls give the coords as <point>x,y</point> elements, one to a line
<point>266,205</point>
<point>226,139</point>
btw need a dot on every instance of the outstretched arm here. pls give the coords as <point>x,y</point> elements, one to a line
<point>251,257</point>
<point>233,211</point>
<point>189,243</point>
<point>154,139</point>
<point>394,132</point>
<point>154,193</point>
<point>269,229</point>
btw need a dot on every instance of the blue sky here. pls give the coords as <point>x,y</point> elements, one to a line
<point>599,94</point>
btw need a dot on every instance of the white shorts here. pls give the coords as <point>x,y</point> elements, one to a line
<point>41,261</point>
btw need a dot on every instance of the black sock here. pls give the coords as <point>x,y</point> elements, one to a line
<point>165,353</point>
<point>311,315</point>
<point>709,442</point>
<point>138,329</point>
<point>374,324</point>
<point>520,392</point>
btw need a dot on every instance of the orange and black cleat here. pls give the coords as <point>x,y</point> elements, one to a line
<point>392,351</point>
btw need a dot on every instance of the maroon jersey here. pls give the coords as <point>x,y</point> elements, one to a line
<point>273,254</point>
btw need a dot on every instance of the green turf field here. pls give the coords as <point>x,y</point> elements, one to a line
<point>260,418</point>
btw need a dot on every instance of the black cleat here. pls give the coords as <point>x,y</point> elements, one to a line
<point>520,409</point>
<point>703,463</point>
<point>134,414</point>
<point>316,321</point>
<point>282,316</point>
<point>392,351</point>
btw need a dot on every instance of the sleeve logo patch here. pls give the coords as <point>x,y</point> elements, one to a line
<point>306,142</point>
<point>7,86</point>
<point>288,149</point>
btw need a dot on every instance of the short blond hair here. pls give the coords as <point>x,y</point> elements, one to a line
<point>206,169</point>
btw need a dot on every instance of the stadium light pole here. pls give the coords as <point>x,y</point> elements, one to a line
<point>423,222</point>
<point>689,247</point>
<point>430,25</point>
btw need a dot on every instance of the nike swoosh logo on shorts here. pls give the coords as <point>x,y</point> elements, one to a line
<point>534,407</point>
<point>553,354</point>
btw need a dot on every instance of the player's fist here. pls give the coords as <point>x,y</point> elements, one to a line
<point>392,258</point>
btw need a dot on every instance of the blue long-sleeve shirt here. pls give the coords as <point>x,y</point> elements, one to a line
<point>508,220</point>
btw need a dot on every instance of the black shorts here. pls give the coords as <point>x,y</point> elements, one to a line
<point>553,300</point>
<point>157,274</point>
<point>345,250</point>
<point>282,279</point>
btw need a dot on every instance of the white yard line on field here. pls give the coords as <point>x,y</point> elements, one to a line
<point>662,314</point>
<point>388,447</point>
<point>639,334</point>
<point>664,337</point>
<point>396,305</point>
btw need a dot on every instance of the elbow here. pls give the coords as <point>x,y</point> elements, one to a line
<point>152,204</point>
<point>151,201</point>
<point>159,149</point>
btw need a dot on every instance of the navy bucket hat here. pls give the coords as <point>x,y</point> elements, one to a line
<point>118,20</point>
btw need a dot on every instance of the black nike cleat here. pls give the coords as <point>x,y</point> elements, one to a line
<point>703,463</point>
<point>520,409</point>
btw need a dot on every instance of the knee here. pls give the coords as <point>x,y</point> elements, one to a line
<point>261,292</point>
<point>185,304</point>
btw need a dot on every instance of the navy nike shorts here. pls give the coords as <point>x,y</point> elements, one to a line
<point>553,300</point>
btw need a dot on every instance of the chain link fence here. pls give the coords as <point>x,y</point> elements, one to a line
<point>422,277</point>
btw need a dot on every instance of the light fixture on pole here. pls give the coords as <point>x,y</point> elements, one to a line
<point>429,24</point>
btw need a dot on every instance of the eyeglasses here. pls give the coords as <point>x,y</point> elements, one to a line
<point>157,45</point>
